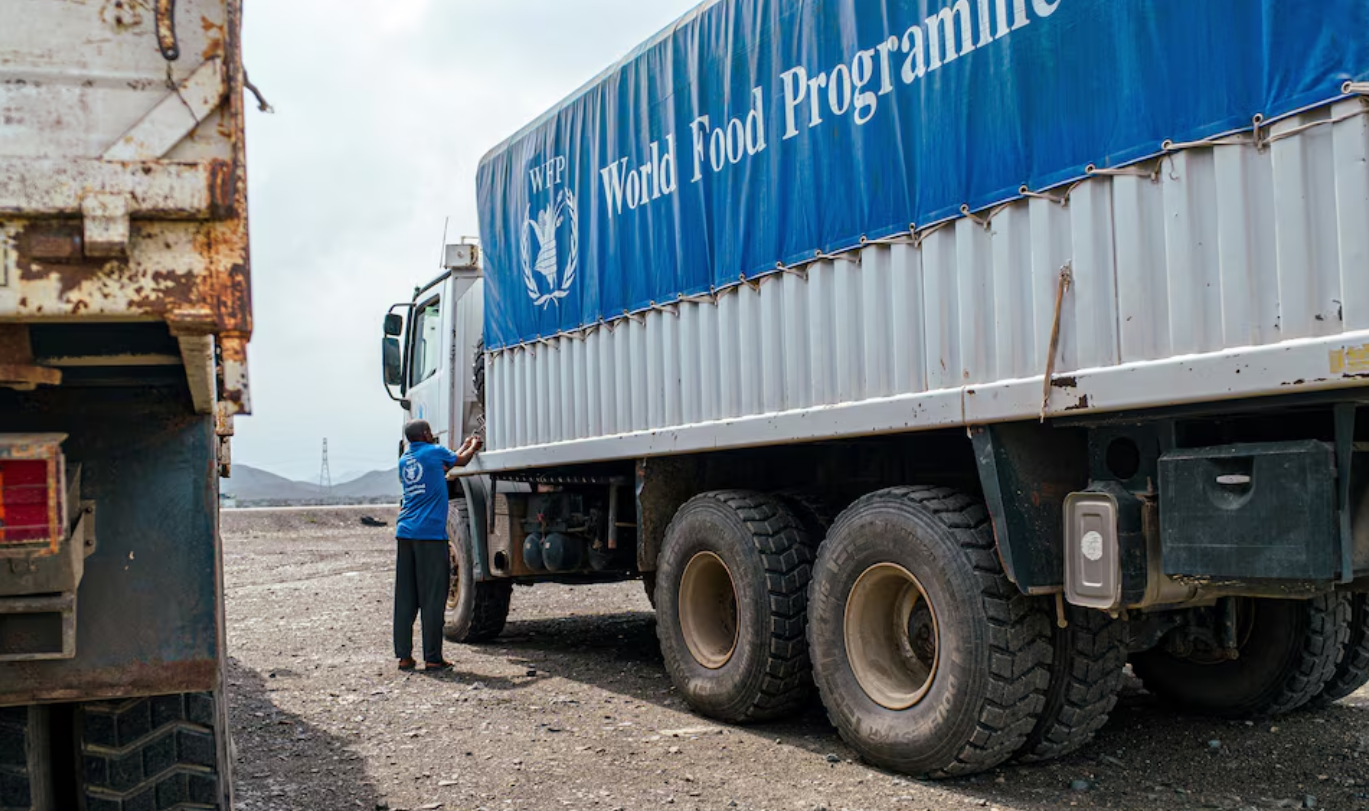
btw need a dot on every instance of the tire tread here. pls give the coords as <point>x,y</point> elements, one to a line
<point>492,598</point>
<point>150,753</point>
<point>1353,671</point>
<point>1018,631</point>
<point>1327,633</point>
<point>1090,658</point>
<point>786,551</point>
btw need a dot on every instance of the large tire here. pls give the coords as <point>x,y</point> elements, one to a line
<point>815,510</point>
<point>478,371</point>
<point>152,753</point>
<point>476,612</point>
<point>1086,674</point>
<point>478,385</point>
<point>751,547</point>
<point>1289,650</point>
<point>954,683</point>
<point>1353,671</point>
<point>649,586</point>
<point>25,767</point>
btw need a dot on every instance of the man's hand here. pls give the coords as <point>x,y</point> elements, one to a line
<point>468,450</point>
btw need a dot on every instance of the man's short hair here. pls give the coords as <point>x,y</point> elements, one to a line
<point>417,430</point>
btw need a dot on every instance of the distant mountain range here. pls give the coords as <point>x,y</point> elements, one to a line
<point>251,485</point>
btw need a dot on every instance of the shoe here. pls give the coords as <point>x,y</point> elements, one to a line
<point>407,664</point>
<point>437,666</point>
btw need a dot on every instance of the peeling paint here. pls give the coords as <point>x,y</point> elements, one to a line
<point>180,253</point>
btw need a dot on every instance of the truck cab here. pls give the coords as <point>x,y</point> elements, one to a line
<point>430,346</point>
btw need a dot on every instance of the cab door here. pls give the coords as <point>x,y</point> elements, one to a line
<point>429,369</point>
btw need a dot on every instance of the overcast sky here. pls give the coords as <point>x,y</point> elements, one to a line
<point>383,110</point>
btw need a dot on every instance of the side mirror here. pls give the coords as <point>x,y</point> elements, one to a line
<point>394,324</point>
<point>392,358</point>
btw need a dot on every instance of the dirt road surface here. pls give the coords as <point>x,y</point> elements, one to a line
<point>572,709</point>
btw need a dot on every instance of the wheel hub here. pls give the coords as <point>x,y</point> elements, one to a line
<point>708,610</point>
<point>891,636</point>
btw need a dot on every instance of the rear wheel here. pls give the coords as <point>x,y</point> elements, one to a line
<point>813,508</point>
<point>150,753</point>
<point>476,612</point>
<point>1353,671</point>
<point>1087,671</point>
<point>1288,651</point>
<point>928,659</point>
<point>731,605</point>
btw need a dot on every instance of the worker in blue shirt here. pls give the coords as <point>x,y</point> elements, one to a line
<point>423,570</point>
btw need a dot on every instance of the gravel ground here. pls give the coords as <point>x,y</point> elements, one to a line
<point>572,709</point>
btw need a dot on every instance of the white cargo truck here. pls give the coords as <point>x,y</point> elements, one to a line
<point>933,360</point>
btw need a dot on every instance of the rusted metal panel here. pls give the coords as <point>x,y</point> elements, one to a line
<point>174,117</point>
<point>47,187</point>
<point>78,75</point>
<point>17,369</point>
<point>148,615</point>
<point>122,186</point>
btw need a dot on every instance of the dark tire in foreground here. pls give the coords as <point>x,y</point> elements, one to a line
<point>732,586</point>
<point>1087,672</point>
<point>25,769</point>
<point>1289,651</point>
<point>649,586</point>
<point>476,612</point>
<point>929,661</point>
<point>154,753</point>
<point>1353,671</point>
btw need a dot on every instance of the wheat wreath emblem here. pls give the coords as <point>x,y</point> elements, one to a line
<point>546,225</point>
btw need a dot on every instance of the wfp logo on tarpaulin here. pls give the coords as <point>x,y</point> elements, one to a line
<point>550,234</point>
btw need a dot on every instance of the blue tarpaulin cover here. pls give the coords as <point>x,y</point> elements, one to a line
<point>757,134</point>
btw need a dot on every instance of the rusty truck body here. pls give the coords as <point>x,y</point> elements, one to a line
<point>125,312</point>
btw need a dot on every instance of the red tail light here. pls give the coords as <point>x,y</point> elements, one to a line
<point>32,487</point>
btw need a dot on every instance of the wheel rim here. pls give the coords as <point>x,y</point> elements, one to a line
<point>708,610</point>
<point>891,636</point>
<point>454,589</point>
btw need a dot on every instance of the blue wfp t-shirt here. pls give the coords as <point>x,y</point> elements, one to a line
<point>423,475</point>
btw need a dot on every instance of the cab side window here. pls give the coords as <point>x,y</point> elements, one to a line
<point>427,337</point>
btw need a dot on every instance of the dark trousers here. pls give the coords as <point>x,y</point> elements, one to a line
<point>423,574</point>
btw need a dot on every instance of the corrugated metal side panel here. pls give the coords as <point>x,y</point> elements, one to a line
<point>1208,249</point>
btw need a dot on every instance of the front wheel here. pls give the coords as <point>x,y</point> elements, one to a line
<point>929,661</point>
<point>476,612</point>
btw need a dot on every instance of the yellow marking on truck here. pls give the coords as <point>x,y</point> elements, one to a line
<point>1350,360</point>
